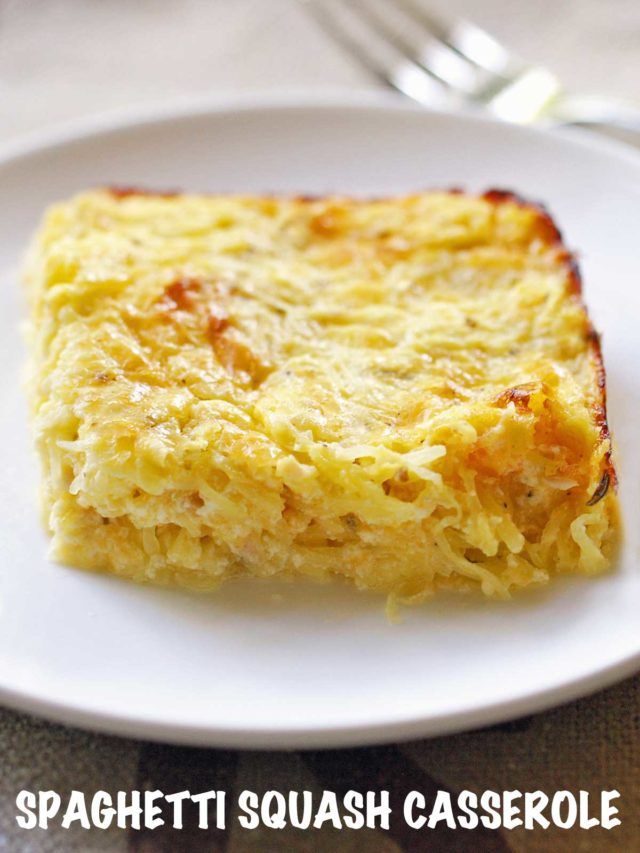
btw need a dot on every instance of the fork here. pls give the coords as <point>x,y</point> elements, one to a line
<point>459,65</point>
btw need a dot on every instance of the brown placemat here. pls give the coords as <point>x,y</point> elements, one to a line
<point>592,744</point>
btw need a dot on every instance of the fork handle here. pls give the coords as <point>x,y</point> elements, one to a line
<point>594,111</point>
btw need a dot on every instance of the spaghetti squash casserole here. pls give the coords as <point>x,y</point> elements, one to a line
<point>406,393</point>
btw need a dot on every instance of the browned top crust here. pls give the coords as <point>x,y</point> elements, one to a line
<point>548,233</point>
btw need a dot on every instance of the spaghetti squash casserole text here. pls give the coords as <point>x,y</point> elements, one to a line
<point>406,393</point>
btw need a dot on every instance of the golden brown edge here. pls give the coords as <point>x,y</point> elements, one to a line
<point>550,234</point>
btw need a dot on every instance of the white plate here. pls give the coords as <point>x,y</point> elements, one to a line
<point>315,666</point>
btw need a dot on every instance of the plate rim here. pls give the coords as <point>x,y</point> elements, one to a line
<point>99,124</point>
<point>306,737</point>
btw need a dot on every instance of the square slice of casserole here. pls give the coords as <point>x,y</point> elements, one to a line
<point>406,393</point>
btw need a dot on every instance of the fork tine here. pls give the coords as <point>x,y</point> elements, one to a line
<point>468,40</point>
<point>511,89</point>
<point>377,54</point>
<point>481,48</point>
<point>450,67</point>
<point>425,48</point>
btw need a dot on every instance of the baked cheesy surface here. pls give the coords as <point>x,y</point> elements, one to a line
<point>406,393</point>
